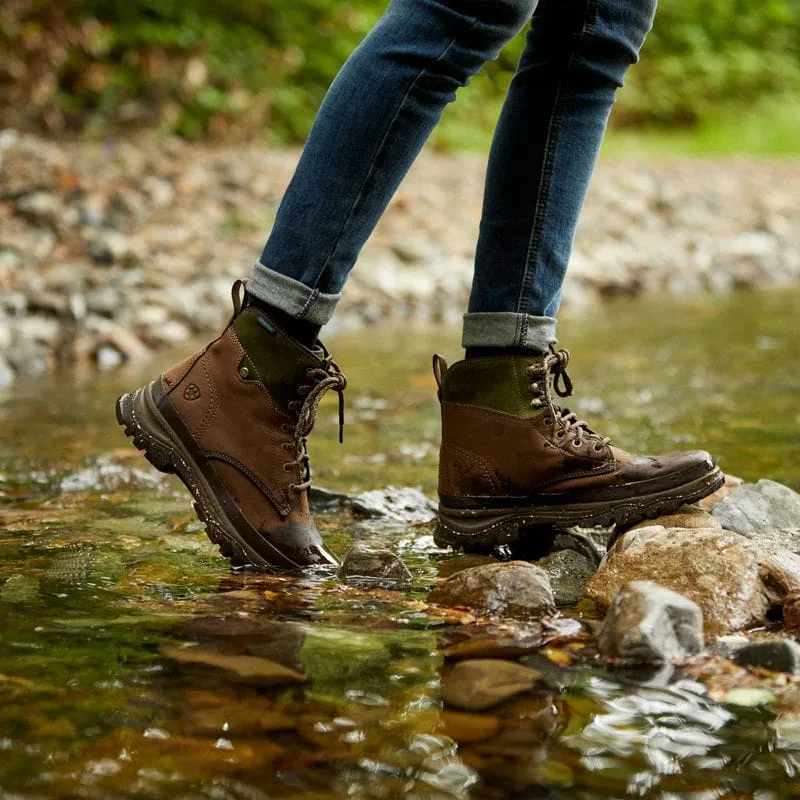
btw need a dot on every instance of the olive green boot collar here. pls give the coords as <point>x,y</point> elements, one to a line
<point>502,383</point>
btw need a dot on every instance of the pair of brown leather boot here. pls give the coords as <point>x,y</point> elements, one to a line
<point>231,421</point>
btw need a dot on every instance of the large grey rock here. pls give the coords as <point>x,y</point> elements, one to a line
<point>781,655</point>
<point>767,512</point>
<point>511,589</point>
<point>6,373</point>
<point>649,624</point>
<point>362,566</point>
<point>733,580</point>
<point>477,684</point>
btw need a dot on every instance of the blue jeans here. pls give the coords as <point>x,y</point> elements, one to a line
<point>381,108</point>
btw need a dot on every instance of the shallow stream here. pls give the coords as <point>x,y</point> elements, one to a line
<point>311,689</point>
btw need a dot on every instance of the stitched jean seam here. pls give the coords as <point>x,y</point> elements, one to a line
<point>378,152</point>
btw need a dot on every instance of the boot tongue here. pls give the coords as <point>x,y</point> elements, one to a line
<point>273,357</point>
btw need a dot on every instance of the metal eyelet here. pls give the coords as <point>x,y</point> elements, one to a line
<point>559,434</point>
<point>287,467</point>
<point>286,446</point>
<point>535,387</point>
<point>292,487</point>
<point>286,428</point>
<point>548,420</point>
<point>530,370</point>
<point>244,372</point>
<point>537,402</point>
<point>577,442</point>
<point>598,448</point>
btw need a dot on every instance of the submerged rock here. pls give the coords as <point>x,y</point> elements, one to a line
<point>767,512</point>
<point>732,579</point>
<point>514,588</point>
<point>482,683</point>
<point>649,624</point>
<point>362,566</point>
<point>252,668</point>
<point>780,655</point>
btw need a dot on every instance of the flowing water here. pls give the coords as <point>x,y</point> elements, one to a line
<point>300,687</point>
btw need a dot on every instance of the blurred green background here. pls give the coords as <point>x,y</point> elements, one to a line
<point>715,76</point>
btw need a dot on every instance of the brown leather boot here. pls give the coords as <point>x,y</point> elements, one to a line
<point>231,422</point>
<point>512,458</point>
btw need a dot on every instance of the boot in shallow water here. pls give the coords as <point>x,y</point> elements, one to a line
<point>231,422</point>
<point>512,458</point>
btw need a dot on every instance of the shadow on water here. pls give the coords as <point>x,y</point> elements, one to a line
<point>134,662</point>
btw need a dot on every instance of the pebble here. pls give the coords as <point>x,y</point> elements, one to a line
<point>383,568</point>
<point>650,624</point>
<point>780,655</point>
<point>478,684</point>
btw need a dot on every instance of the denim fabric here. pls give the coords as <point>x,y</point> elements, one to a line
<point>383,105</point>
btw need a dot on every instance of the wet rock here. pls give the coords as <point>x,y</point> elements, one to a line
<point>649,624</point>
<point>259,670</point>
<point>482,683</point>
<point>403,504</point>
<point>767,512</point>
<point>365,567</point>
<point>710,502</point>
<point>728,646</point>
<point>28,358</point>
<point>687,517</point>
<point>791,613</point>
<point>780,655</point>
<point>734,581</point>
<point>515,588</point>
<point>465,728</point>
<point>568,572</point>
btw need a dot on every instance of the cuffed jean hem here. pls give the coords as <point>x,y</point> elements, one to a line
<point>291,296</point>
<point>507,329</point>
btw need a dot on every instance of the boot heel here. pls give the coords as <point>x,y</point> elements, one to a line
<point>476,534</point>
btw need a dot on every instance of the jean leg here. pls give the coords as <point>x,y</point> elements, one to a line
<point>542,157</point>
<point>375,118</point>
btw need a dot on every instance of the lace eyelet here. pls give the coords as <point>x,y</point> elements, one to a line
<point>577,442</point>
<point>548,420</point>
<point>286,446</point>
<point>535,386</point>
<point>288,467</point>
<point>286,428</point>
<point>292,487</point>
<point>537,402</point>
<point>598,448</point>
<point>530,370</point>
<point>559,434</point>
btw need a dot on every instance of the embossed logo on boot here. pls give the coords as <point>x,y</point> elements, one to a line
<point>192,392</point>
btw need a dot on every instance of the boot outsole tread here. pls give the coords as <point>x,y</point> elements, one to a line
<point>510,527</point>
<point>169,460</point>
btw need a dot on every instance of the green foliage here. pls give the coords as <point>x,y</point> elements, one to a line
<point>235,67</point>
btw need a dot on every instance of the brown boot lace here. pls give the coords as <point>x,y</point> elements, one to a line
<point>327,377</point>
<point>550,376</point>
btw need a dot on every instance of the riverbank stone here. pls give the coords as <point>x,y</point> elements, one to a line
<point>510,589</point>
<point>733,580</point>
<point>650,624</point>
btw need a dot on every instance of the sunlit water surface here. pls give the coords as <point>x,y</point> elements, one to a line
<point>103,568</point>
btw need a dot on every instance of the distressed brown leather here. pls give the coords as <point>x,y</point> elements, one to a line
<point>230,417</point>
<point>488,452</point>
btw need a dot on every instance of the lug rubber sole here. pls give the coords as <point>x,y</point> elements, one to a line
<point>150,433</point>
<point>486,528</point>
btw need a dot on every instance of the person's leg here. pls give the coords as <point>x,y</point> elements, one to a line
<point>375,118</point>
<point>232,420</point>
<point>511,457</point>
<point>542,158</point>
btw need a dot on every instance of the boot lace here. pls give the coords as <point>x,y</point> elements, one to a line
<point>327,377</point>
<point>550,375</point>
